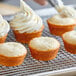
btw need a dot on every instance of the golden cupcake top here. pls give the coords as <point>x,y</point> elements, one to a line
<point>4,26</point>
<point>12,49</point>
<point>70,37</point>
<point>26,20</point>
<point>44,43</point>
<point>61,20</point>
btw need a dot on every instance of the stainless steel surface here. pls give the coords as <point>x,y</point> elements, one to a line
<point>63,72</point>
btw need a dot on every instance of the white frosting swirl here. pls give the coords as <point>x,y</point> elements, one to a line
<point>60,20</point>
<point>26,20</point>
<point>68,12</point>
<point>70,37</point>
<point>4,27</point>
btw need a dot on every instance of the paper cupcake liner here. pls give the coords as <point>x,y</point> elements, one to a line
<point>58,30</point>
<point>70,47</point>
<point>26,37</point>
<point>43,55</point>
<point>3,38</point>
<point>11,61</point>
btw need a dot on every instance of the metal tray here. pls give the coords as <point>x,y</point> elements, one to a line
<point>32,67</point>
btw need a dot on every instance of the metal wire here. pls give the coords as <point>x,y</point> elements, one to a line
<point>32,66</point>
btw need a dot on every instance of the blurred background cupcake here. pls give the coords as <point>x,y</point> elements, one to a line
<point>12,54</point>
<point>44,48</point>
<point>26,24</point>
<point>59,24</point>
<point>69,39</point>
<point>4,29</point>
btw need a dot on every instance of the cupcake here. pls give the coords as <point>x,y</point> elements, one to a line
<point>12,54</point>
<point>26,24</point>
<point>44,48</point>
<point>59,24</point>
<point>69,39</point>
<point>4,29</point>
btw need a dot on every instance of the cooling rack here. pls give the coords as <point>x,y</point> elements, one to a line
<point>32,67</point>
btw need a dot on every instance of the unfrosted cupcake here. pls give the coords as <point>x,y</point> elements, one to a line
<point>69,39</point>
<point>59,24</point>
<point>12,54</point>
<point>26,24</point>
<point>4,29</point>
<point>44,48</point>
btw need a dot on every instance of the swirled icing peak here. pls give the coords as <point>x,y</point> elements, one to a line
<point>66,11</point>
<point>27,20</point>
<point>71,12</point>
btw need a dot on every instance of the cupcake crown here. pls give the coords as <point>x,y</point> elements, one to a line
<point>26,20</point>
<point>44,43</point>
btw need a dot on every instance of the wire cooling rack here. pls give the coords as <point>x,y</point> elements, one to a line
<point>31,66</point>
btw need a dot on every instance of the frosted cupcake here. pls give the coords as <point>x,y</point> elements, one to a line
<point>44,48</point>
<point>26,24</point>
<point>4,29</point>
<point>12,54</point>
<point>69,39</point>
<point>59,24</point>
